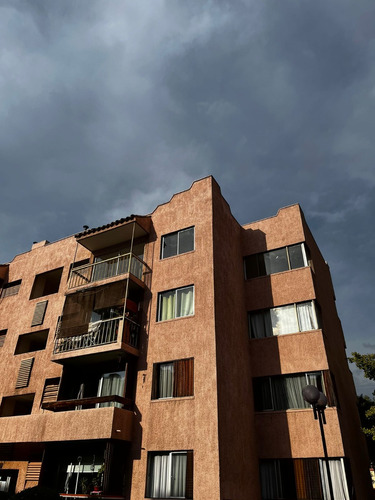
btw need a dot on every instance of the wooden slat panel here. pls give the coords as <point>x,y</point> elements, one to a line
<point>183,377</point>
<point>39,312</point>
<point>328,386</point>
<point>33,471</point>
<point>24,373</point>
<point>51,390</point>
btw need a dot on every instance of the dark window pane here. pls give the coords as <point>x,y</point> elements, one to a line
<point>288,479</point>
<point>296,257</point>
<point>251,266</point>
<point>262,394</point>
<point>186,240</point>
<point>169,245</point>
<point>276,261</point>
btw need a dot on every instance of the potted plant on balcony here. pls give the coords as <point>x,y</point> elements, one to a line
<point>97,481</point>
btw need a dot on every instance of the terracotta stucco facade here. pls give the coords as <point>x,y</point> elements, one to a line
<point>87,349</point>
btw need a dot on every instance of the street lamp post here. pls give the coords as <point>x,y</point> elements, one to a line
<point>318,400</point>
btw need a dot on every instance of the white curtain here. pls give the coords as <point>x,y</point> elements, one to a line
<point>314,378</point>
<point>284,320</point>
<point>185,302</point>
<point>4,484</point>
<point>112,384</point>
<point>160,477</point>
<point>167,476</point>
<point>306,316</point>
<point>288,391</point>
<point>167,305</point>
<point>178,479</point>
<point>338,477</point>
<point>166,378</point>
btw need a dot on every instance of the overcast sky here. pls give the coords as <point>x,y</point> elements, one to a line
<point>107,108</point>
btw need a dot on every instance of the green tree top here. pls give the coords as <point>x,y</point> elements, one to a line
<point>365,362</point>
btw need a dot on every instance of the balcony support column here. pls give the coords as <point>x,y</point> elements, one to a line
<point>127,281</point>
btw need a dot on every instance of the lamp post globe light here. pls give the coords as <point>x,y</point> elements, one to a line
<point>318,400</point>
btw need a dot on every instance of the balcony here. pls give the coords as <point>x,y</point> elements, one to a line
<point>123,264</point>
<point>111,331</point>
<point>50,426</point>
<point>87,403</point>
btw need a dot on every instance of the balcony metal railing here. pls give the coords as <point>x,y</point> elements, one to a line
<point>87,403</point>
<point>122,264</point>
<point>99,333</point>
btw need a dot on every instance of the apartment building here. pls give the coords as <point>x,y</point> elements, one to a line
<point>163,356</point>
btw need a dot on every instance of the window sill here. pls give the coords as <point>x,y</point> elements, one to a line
<point>287,334</point>
<point>290,410</point>
<point>164,400</point>
<point>161,322</point>
<point>273,274</point>
<point>178,255</point>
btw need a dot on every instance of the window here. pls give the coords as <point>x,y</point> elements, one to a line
<point>284,392</point>
<point>177,243</point>
<point>277,261</point>
<point>302,478</point>
<point>176,303</point>
<point>29,342</point>
<point>2,337</point>
<point>17,405</point>
<point>46,283</point>
<point>173,380</point>
<point>111,384</point>
<point>301,317</point>
<point>170,474</point>
<point>10,289</point>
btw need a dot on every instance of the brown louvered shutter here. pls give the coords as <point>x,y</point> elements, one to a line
<point>39,312</point>
<point>299,478</point>
<point>33,471</point>
<point>183,378</point>
<point>307,478</point>
<point>328,386</point>
<point>189,474</point>
<point>24,373</point>
<point>51,390</point>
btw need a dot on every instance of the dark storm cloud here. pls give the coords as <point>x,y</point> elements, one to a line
<point>108,108</point>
